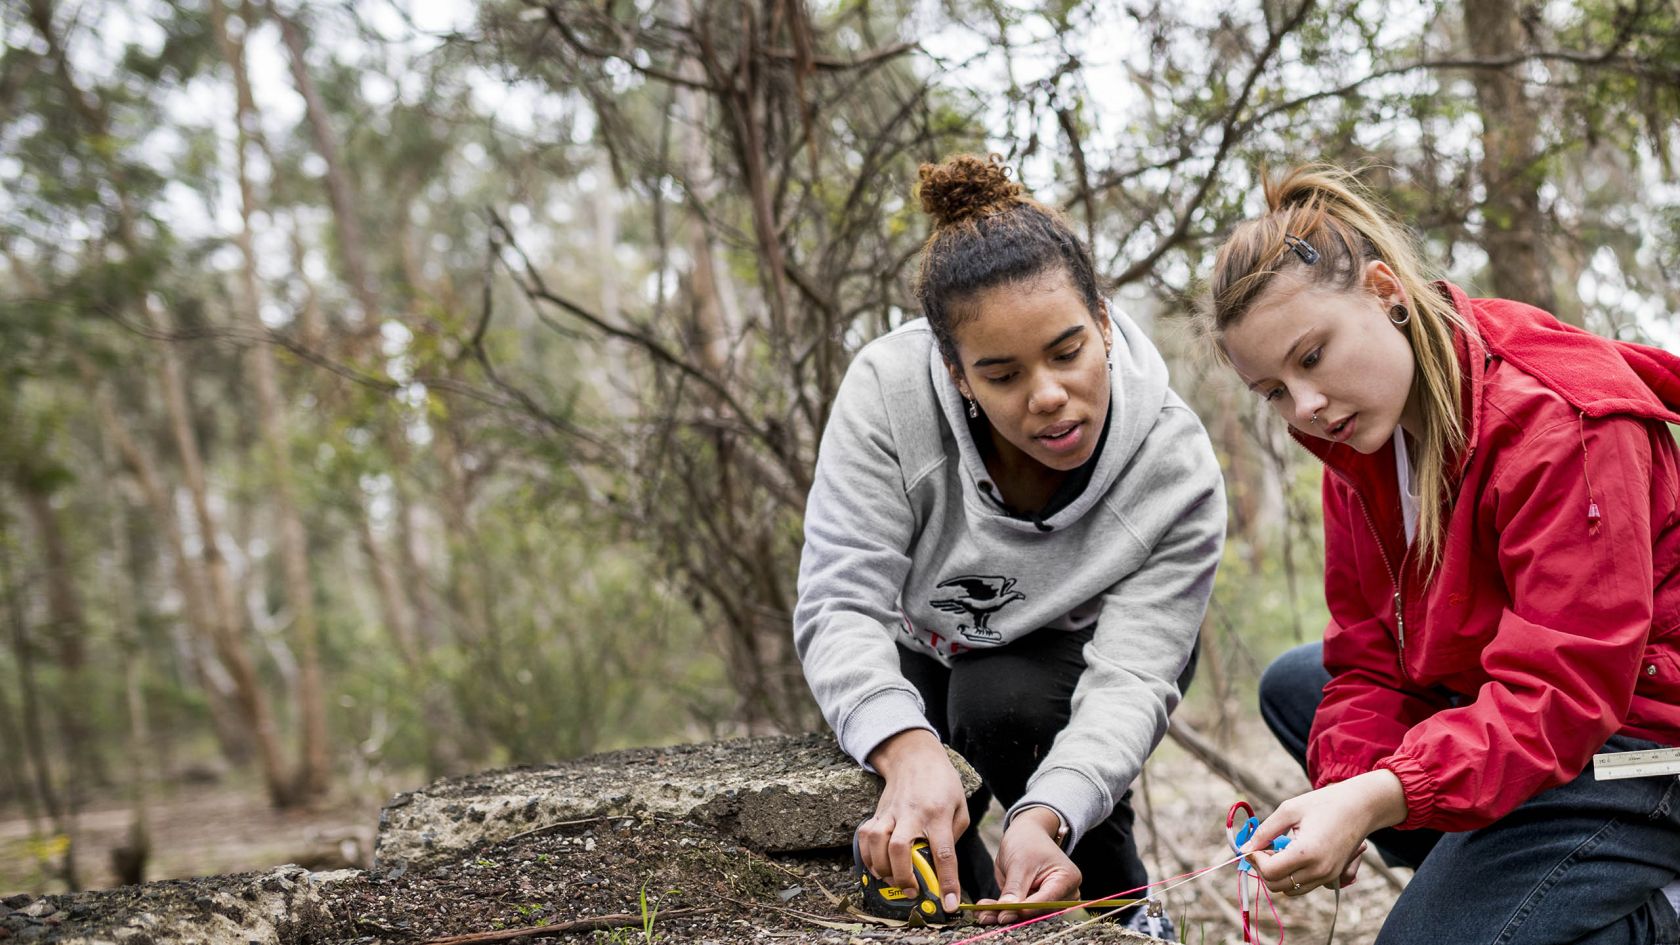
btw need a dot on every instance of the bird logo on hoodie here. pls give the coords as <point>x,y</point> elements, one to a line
<point>980,597</point>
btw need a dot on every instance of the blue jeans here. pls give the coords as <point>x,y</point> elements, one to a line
<point>1584,862</point>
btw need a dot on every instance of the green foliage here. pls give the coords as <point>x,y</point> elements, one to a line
<point>649,913</point>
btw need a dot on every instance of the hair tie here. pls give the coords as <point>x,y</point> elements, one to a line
<point>1302,248</point>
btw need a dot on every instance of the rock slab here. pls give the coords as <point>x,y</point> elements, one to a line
<point>775,794</point>
<point>778,794</point>
<point>269,908</point>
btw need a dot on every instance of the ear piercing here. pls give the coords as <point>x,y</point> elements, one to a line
<point>1399,315</point>
<point>973,411</point>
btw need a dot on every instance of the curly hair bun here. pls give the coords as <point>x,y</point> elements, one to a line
<point>966,187</point>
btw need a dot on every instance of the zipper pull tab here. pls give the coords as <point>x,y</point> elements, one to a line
<point>1400,620</point>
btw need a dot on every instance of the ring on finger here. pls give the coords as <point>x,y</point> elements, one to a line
<point>1294,883</point>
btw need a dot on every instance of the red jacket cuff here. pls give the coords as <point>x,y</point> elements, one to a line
<point>1325,774</point>
<point>1419,786</point>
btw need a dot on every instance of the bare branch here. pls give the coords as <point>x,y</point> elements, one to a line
<point>536,288</point>
<point>1232,131</point>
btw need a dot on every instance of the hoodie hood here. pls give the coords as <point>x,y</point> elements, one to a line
<point>1137,391</point>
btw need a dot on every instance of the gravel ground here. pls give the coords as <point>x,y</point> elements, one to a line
<point>697,889</point>
<point>702,887</point>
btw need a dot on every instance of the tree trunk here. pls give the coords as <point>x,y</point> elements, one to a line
<point>340,188</point>
<point>226,622</point>
<point>440,728</point>
<point>397,618</point>
<point>314,764</point>
<point>17,784</point>
<point>1514,230</point>
<point>128,861</point>
<point>469,578</point>
<point>751,645</point>
<point>408,557</point>
<point>34,727</point>
<point>1246,485</point>
<point>66,616</point>
<point>222,606</point>
<point>312,328</point>
<point>232,733</point>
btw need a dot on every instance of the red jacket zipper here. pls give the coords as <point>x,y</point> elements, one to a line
<point>1393,579</point>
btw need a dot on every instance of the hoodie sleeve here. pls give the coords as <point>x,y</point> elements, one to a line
<point>1175,510</point>
<point>1368,705</point>
<point>1565,656</point>
<point>859,528</point>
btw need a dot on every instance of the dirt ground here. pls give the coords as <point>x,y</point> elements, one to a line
<point>197,830</point>
<point>604,867</point>
<point>675,881</point>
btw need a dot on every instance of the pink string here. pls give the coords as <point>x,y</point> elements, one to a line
<point>1123,893</point>
<point>1276,919</point>
<point>1249,928</point>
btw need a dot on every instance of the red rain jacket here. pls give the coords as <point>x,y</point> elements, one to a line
<point>1550,624</point>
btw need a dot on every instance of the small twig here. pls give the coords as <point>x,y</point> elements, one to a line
<point>549,828</point>
<point>812,918</point>
<point>786,869</point>
<point>590,924</point>
<point>833,899</point>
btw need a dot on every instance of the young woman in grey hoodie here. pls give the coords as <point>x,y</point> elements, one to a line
<point>1009,546</point>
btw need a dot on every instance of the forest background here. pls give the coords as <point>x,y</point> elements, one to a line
<point>391,390</point>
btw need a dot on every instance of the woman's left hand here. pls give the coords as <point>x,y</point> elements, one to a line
<point>1030,866</point>
<point>1329,829</point>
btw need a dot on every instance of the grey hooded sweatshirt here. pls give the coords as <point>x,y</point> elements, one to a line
<point>907,545</point>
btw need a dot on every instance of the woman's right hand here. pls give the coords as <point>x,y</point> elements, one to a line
<point>923,798</point>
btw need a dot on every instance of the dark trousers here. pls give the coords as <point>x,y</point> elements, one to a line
<point>1001,709</point>
<point>1583,862</point>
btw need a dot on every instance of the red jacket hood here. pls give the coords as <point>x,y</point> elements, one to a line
<point>1598,376</point>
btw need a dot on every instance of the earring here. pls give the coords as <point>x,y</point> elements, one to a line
<point>1399,315</point>
<point>973,411</point>
<point>1111,363</point>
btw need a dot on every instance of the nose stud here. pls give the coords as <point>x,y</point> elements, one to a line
<point>1315,417</point>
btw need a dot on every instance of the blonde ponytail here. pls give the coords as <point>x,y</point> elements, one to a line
<point>1344,228</point>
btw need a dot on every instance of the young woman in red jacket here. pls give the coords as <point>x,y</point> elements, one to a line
<point>1502,569</point>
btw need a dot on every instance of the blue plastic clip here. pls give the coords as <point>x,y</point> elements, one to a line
<point>1246,833</point>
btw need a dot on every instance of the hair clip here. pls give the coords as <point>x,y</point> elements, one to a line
<point>1302,248</point>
